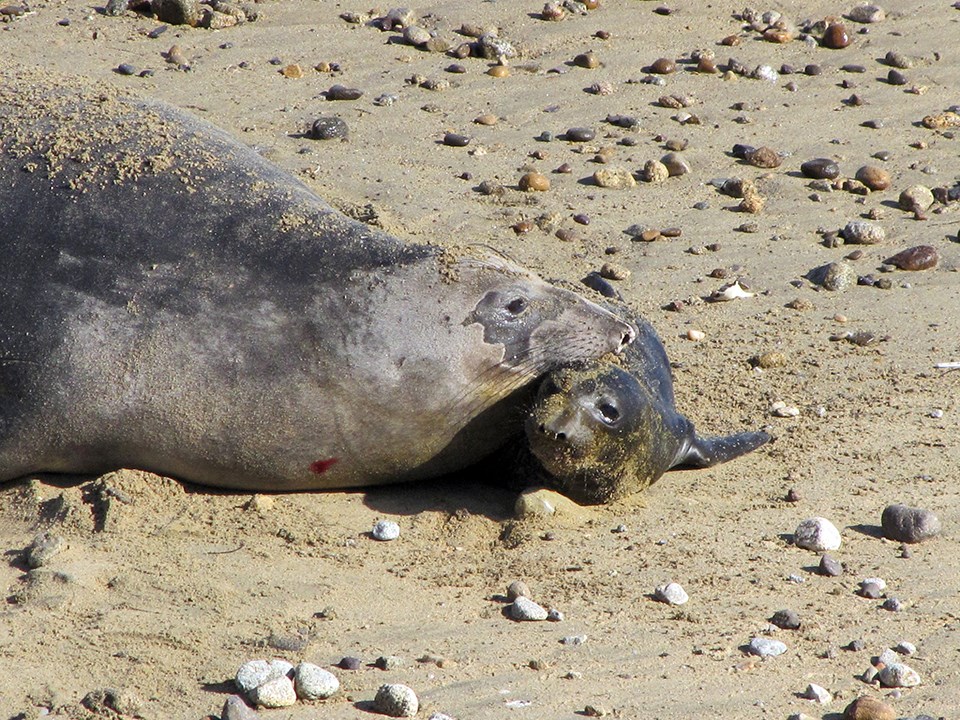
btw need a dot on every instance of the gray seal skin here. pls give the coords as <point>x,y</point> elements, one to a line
<point>605,431</point>
<point>170,301</point>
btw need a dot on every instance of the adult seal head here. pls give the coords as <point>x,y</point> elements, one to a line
<point>605,431</point>
<point>172,302</point>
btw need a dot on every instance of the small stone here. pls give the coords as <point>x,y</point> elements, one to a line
<point>867,14</point>
<point>455,140</point>
<point>830,566</point>
<point>895,77</point>
<point>899,675</point>
<point>388,662</point>
<point>235,708</point>
<point>817,534</point>
<point>399,17</point>
<point>873,177</point>
<point>516,589</point>
<point>614,177</point>
<point>820,169</point>
<point>655,171</point>
<point>115,8</point>
<point>587,60</point>
<point>612,271</point>
<point>42,549</point>
<point>486,119</point>
<point>916,197</point>
<point>312,682</point>
<point>396,700</point>
<point>580,134</point>
<point>554,615</point>
<point>818,694</point>
<point>534,182</point>
<point>553,12</point>
<point>908,524</point>
<point>525,609</point>
<point>663,66</point>
<point>671,593</point>
<point>177,12</point>
<point>920,257</point>
<point>385,530</point>
<point>765,72</point>
<point>835,37</point>
<point>766,647</point>
<point>871,590</point>
<point>763,157</point>
<point>340,92</point>
<point>869,708</point>
<point>786,619</point>
<point>905,648</point>
<point>328,128</point>
<point>274,693</point>
<point>573,640</point>
<point>892,604</point>
<point>862,232</point>
<point>292,71</point>
<point>416,36</point>
<point>676,164</point>
<point>835,276</point>
<point>256,672</point>
<point>350,663</point>
<point>126,69</point>
<point>941,121</point>
<point>499,71</point>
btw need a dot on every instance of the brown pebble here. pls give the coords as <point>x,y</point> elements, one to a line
<point>534,182</point>
<point>801,304</point>
<point>793,495</point>
<point>649,235</point>
<point>855,255</point>
<point>731,40</point>
<point>523,227</point>
<point>581,219</point>
<point>339,92</point>
<point>567,235</point>
<point>752,203</point>
<point>777,35</point>
<point>591,4</point>
<point>835,37</point>
<point>706,65</point>
<point>873,177</point>
<point>293,71</point>
<point>564,169</point>
<point>771,359</point>
<point>612,271</point>
<point>602,35</point>
<point>486,119</point>
<point>920,257</point>
<point>175,56</point>
<point>586,60</point>
<point>499,71</point>
<point>869,708</point>
<point>663,66</point>
<point>671,232</point>
<point>763,157</point>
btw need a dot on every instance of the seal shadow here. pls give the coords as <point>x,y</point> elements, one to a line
<point>874,531</point>
<point>463,491</point>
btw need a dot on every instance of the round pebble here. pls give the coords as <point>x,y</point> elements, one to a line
<point>676,164</point>
<point>871,590</point>
<point>396,700</point>
<point>126,69</point>
<point>177,12</point>
<point>455,140</point>
<point>786,619</point>
<point>909,524</point>
<point>587,60</point>
<point>385,530</point>
<point>534,182</point>
<point>817,534</point>
<point>276,693</point>
<point>416,35</point>
<point>523,609</point>
<point>892,604</point>
<point>899,675</point>
<point>340,92</point>
<point>835,37</point>
<point>763,157</point>
<point>916,197</point>
<point>867,14</point>
<point>328,128</point>
<point>256,672</point>
<point>835,276</point>
<point>312,682</point>
<point>672,594</point>
<point>766,647</point>
<point>905,647</point>
<point>655,171</point>
<point>499,71</point>
<point>486,119</point>
<point>895,77</point>
<point>350,663</point>
<point>663,66</point>
<point>614,177</point>
<point>869,708</point>
<point>862,232</point>
<point>873,177</point>
<point>517,588</point>
<point>580,134</point>
<point>919,257</point>
<point>820,169</point>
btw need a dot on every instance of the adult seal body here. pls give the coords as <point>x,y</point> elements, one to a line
<point>606,431</point>
<point>172,302</point>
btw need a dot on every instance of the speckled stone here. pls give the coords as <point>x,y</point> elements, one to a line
<point>909,524</point>
<point>396,700</point>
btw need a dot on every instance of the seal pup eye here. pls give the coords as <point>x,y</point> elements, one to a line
<point>517,306</point>
<point>609,411</point>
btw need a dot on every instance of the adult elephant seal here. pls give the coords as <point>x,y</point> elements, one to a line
<point>605,431</point>
<point>170,301</point>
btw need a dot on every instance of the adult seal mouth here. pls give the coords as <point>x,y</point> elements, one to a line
<point>172,302</point>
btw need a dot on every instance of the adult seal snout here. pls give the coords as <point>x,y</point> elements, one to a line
<point>172,302</point>
<point>605,431</point>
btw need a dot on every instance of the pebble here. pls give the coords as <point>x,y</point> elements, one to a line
<point>614,177</point>
<point>534,182</point>
<point>835,37</point>
<point>486,119</point>
<point>580,134</point>
<point>892,604</point>
<point>341,92</point>
<point>676,164</point>
<point>525,609</point>
<point>818,694</point>
<point>905,647</point>
<point>499,71</point>
<point>663,66</point>
<point>312,682</point>
<point>763,157</point>
<point>835,276</point>
<point>817,534</point>
<point>899,675</point>
<point>867,14</point>
<point>42,549</point>
<point>895,77</point>
<point>862,232</point>
<point>830,567</point>
<point>655,171</point>
<point>870,590</point>
<point>595,282</point>
<point>388,662</point>
<point>553,12</point>
<point>612,271</point>
<point>786,619</point>
<point>573,640</point>
<point>909,524</point>
<point>516,589</point>
<point>455,140</point>
<point>820,169</point>
<point>115,8</point>
<point>396,700</point>
<point>765,72</point>
<point>671,593</point>
<point>916,197</point>
<point>328,128</point>
<point>766,647</point>
<point>235,708</point>
<point>177,12</point>
<point>919,257</point>
<point>350,663</point>
<point>873,177</point>
<point>587,60</point>
<point>274,693</point>
<point>897,60</point>
<point>126,69</point>
<point>869,708</point>
<point>416,35</point>
<point>256,672</point>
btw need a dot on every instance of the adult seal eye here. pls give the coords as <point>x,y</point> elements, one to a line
<point>517,306</point>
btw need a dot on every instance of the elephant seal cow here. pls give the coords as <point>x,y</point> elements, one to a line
<point>603,431</point>
<point>172,302</point>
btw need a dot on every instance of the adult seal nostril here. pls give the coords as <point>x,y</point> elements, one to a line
<point>171,301</point>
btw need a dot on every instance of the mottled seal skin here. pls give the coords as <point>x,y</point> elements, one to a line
<point>605,431</point>
<point>172,302</point>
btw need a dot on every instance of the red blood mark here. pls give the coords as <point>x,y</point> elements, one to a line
<point>321,466</point>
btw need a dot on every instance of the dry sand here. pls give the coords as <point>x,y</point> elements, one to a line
<point>164,589</point>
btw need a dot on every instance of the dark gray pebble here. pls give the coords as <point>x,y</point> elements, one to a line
<point>812,69</point>
<point>236,709</point>
<point>787,69</point>
<point>581,219</point>
<point>830,567</point>
<point>624,121</point>
<point>350,663</point>
<point>157,32</point>
<point>820,169</point>
<point>580,134</point>
<point>455,140</point>
<point>65,22</point>
<point>909,525</point>
<point>871,590</point>
<point>595,281</point>
<point>741,151</point>
<point>177,12</point>
<point>328,128</point>
<point>873,124</point>
<point>126,69</point>
<point>857,645</point>
<point>892,604</point>
<point>853,68</point>
<point>895,77</point>
<point>786,619</point>
<point>545,136</point>
<point>340,92</point>
<point>456,69</point>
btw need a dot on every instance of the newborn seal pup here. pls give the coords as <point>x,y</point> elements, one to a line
<point>172,302</point>
<point>605,431</point>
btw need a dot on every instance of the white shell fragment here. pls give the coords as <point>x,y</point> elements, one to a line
<point>733,291</point>
<point>385,530</point>
<point>781,409</point>
<point>524,608</point>
<point>312,682</point>
<point>274,693</point>
<point>671,593</point>
<point>899,675</point>
<point>256,672</point>
<point>396,700</point>
<point>817,534</point>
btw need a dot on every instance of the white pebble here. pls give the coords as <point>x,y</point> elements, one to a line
<point>863,232</point>
<point>817,534</point>
<point>385,530</point>
<point>671,593</point>
<point>526,609</point>
<point>256,672</point>
<point>867,14</point>
<point>905,648</point>
<point>274,693</point>
<point>396,700</point>
<point>766,647</point>
<point>781,409</point>
<point>439,716</point>
<point>879,582</point>
<point>312,682</point>
<point>899,675</point>
<point>820,694</point>
<point>765,72</point>
<point>695,335</point>
<point>888,657</point>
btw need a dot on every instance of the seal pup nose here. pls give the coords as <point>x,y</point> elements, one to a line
<point>623,336</point>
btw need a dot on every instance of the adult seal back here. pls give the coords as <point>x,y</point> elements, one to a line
<point>172,302</point>
<point>605,431</point>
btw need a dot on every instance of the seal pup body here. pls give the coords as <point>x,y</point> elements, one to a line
<point>172,302</point>
<point>603,431</point>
